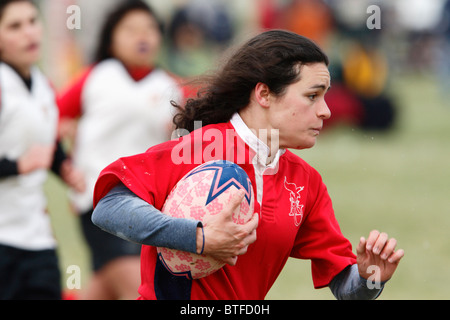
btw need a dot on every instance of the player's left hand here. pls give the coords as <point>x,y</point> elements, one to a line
<point>72,176</point>
<point>378,251</point>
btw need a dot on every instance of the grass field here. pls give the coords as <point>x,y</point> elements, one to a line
<point>395,182</point>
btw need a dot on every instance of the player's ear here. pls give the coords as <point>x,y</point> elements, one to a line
<point>262,94</point>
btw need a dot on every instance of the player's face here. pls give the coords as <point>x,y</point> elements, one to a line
<point>136,39</point>
<point>20,35</point>
<point>299,114</point>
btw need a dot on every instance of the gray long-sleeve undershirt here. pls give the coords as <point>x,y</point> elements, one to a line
<point>125,215</point>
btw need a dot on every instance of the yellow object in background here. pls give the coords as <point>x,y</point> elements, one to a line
<point>365,72</point>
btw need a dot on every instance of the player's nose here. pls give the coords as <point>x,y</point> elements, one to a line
<point>323,111</point>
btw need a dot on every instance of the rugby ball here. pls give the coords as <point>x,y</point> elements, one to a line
<point>201,194</point>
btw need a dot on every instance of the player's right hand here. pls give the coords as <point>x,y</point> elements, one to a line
<point>225,240</point>
<point>37,157</point>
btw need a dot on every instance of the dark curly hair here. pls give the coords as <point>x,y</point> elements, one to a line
<point>272,57</point>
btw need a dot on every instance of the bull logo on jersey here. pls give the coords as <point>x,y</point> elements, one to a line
<point>294,198</point>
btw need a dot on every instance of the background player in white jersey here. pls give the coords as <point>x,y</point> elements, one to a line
<point>121,105</point>
<point>28,148</point>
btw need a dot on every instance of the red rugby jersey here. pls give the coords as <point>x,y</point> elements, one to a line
<point>296,215</point>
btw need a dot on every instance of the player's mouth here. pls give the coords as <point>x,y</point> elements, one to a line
<point>33,47</point>
<point>317,130</point>
<point>143,48</point>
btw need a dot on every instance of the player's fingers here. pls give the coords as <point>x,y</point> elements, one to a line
<point>47,151</point>
<point>231,261</point>
<point>235,202</point>
<point>242,251</point>
<point>361,247</point>
<point>388,248</point>
<point>373,236</point>
<point>252,224</point>
<point>396,256</point>
<point>380,243</point>
<point>246,241</point>
<point>249,239</point>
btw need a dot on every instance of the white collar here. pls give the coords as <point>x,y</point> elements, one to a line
<point>14,81</point>
<point>261,149</point>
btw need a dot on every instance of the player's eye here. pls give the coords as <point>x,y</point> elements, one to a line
<point>14,26</point>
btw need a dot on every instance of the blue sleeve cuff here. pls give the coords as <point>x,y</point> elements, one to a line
<point>349,285</point>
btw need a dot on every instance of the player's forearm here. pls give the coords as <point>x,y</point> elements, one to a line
<point>127,216</point>
<point>9,168</point>
<point>348,285</point>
